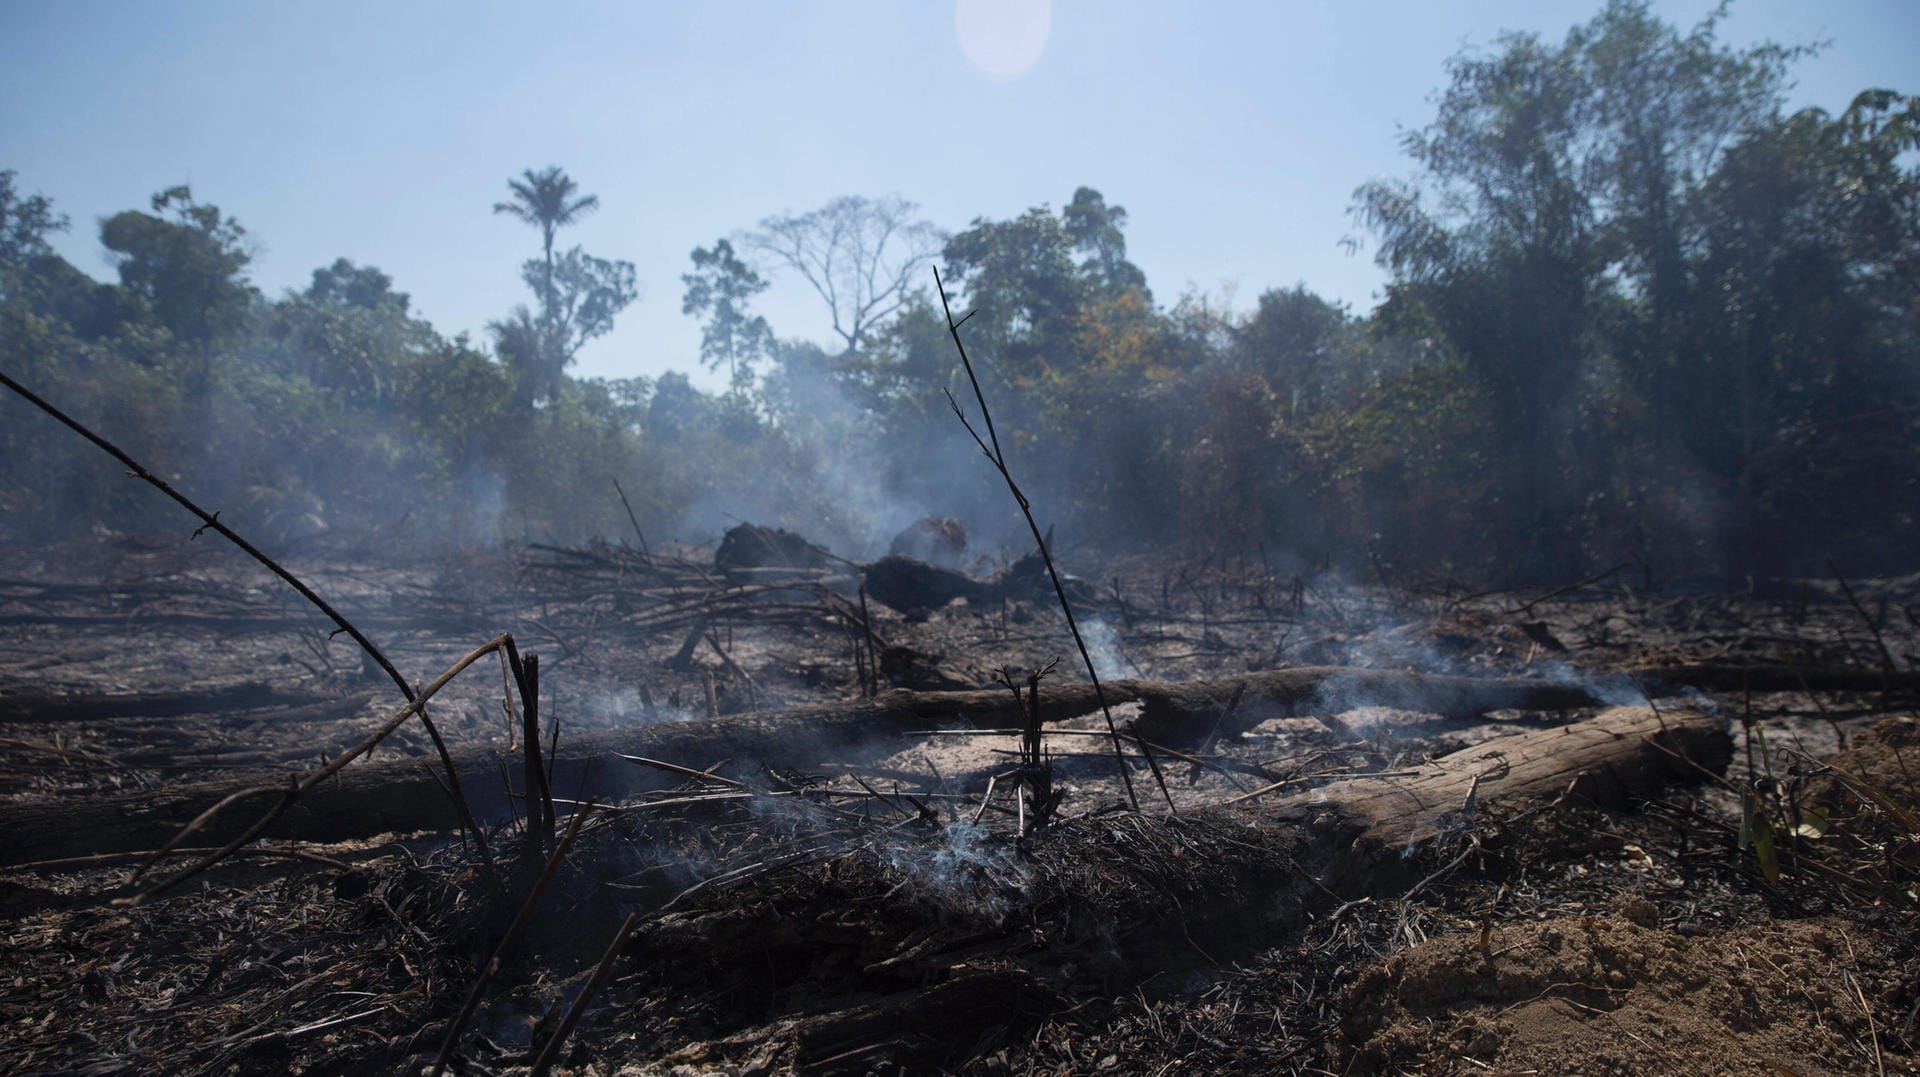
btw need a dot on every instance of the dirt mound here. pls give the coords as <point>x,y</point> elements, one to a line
<point>1618,993</point>
<point>1883,762</point>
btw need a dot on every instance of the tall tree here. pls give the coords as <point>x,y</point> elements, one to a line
<point>1290,343</point>
<point>349,333</point>
<point>1804,330</point>
<point>1562,176</point>
<point>344,284</point>
<point>587,293</point>
<point>1020,277</point>
<point>1096,230</point>
<point>1039,279</point>
<point>547,200</point>
<point>579,294</point>
<point>185,263</point>
<point>25,224</point>
<point>1664,108</point>
<point>863,256</point>
<point>719,289</point>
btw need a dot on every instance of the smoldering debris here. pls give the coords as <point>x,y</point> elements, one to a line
<point>937,540</point>
<point>839,910</point>
<point>916,588</point>
<point>750,546</point>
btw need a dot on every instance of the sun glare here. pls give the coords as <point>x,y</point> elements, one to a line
<point>1003,39</point>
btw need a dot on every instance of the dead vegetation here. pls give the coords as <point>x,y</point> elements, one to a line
<point>805,870</point>
<point>1414,830</point>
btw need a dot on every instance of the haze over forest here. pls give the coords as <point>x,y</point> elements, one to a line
<point>1631,300</point>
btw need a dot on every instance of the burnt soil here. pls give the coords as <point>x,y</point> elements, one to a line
<point>867,914</point>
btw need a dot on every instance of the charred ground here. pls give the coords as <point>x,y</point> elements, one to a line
<point>862,912</point>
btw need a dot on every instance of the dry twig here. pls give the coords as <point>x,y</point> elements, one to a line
<point>999,460</point>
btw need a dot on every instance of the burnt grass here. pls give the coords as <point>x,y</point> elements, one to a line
<point>854,916</point>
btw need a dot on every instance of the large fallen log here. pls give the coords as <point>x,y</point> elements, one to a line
<point>1773,678</point>
<point>400,795</point>
<point>1100,905</point>
<point>26,704</point>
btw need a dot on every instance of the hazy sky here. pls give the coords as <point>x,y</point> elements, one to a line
<point>1233,133</point>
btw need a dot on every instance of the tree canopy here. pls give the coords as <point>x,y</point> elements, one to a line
<point>862,256</point>
<point>579,294</point>
<point>1636,312</point>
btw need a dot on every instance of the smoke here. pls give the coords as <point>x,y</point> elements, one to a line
<point>963,869</point>
<point>627,707</point>
<point>1609,689</point>
<point>1103,646</point>
<point>870,477</point>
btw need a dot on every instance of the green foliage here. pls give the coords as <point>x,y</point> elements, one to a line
<point>719,289</point>
<point>1293,343</point>
<point>25,223</point>
<point>1020,278</point>
<point>1095,230</point>
<point>184,264</point>
<point>1627,212</point>
<point>344,284</point>
<point>1635,313</point>
<point>579,295</point>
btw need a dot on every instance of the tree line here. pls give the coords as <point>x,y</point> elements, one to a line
<point>1637,311</point>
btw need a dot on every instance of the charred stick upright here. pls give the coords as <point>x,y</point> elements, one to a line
<point>634,520</point>
<point>995,456</point>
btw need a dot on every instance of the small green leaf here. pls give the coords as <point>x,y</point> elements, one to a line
<point>1757,832</point>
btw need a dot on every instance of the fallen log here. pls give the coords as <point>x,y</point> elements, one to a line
<point>1187,712</point>
<point>1731,678</point>
<point>400,795</point>
<point>27,705</point>
<point>1100,905</point>
<point>1278,862</point>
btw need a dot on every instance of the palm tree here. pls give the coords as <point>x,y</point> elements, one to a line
<point>546,200</point>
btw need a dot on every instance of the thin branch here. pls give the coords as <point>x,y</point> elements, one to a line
<point>211,521</point>
<point>551,1051</point>
<point>634,520</point>
<point>1026,509</point>
<point>297,788</point>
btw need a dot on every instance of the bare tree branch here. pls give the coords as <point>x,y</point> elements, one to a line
<point>858,254</point>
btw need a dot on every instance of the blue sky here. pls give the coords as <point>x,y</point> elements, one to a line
<point>1233,133</point>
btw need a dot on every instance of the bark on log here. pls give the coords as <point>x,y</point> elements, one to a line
<point>1277,867</point>
<point>400,795</point>
<point>1280,862</point>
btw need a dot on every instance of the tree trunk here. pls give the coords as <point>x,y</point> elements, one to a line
<point>401,795</point>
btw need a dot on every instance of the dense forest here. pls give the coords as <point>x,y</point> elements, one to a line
<point>1638,313</point>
